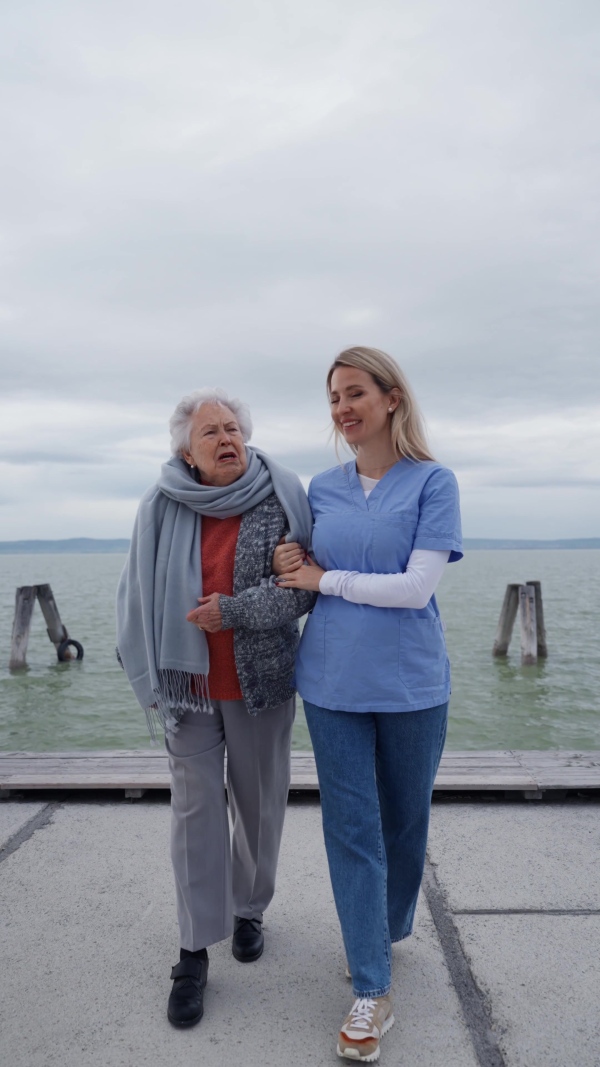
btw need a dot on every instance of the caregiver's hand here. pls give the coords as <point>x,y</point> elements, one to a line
<point>287,557</point>
<point>208,615</point>
<point>307,576</point>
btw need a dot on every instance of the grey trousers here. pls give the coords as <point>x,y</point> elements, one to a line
<point>215,880</point>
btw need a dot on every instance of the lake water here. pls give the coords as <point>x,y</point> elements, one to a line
<point>495,703</point>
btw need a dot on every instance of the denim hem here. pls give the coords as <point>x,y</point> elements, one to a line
<point>395,940</point>
<point>372,993</point>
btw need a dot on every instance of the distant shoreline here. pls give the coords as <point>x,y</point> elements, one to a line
<point>92,545</point>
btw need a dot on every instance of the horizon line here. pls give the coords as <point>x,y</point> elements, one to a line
<point>122,543</point>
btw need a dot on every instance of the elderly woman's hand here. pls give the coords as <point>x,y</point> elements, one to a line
<point>208,615</point>
<point>307,576</point>
<point>287,557</point>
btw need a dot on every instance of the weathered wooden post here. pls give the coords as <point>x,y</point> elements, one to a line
<point>57,632</point>
<point>506,621</point>
<point>529,639</point>
<point>542,647</point>
<point>24,604</point>
<point>527,600</point>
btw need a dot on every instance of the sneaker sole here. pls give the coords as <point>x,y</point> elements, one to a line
<point>354,1053</point>
<point>248,959</point>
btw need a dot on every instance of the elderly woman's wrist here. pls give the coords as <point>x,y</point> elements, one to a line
<point>227,609</point>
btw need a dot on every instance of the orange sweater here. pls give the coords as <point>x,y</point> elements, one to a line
<point>219,541</point>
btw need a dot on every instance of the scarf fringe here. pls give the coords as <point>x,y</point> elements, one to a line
<point>178,692</point>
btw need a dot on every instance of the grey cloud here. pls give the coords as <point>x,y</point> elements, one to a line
<point>228,198</point>
<point>112,485</point>
<point>307,462</point>
<point>542,481</point>
<point>28,458</point>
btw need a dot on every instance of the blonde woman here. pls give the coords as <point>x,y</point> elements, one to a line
<point>372,666</point>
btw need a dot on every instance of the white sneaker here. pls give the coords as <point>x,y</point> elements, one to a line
<point>363,1029</point>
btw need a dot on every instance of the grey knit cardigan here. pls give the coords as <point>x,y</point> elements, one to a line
<point>264,617</point>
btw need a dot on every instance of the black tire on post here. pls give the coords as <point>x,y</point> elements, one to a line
<point>64,645</point>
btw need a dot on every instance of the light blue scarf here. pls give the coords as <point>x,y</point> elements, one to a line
<point>164,656</point>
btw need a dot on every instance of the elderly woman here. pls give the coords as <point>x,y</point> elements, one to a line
<point>208,642</point>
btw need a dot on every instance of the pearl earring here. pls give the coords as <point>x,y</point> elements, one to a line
<point>192,466</point>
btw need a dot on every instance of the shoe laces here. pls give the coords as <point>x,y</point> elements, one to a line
<point>361,1014</point>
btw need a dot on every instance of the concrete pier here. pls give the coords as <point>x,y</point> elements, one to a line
<point>502,971</point>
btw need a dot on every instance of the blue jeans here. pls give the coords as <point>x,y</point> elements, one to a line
<point>376,773</point>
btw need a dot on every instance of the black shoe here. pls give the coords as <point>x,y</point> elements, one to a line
<point>248,940</point>
<point>185,1002</point>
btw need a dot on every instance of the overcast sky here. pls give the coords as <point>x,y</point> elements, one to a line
<point>228,193</point>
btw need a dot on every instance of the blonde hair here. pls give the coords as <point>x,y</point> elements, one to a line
<point>406,423</point>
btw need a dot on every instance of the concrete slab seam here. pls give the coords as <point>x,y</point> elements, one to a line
<point>38,821</point>
<point>526,911</point>
<point>475,1010</point>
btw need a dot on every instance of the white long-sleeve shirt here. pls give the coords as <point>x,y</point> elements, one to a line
<point>412,588</point>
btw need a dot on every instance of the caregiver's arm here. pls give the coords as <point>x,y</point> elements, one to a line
<point>411,589</point>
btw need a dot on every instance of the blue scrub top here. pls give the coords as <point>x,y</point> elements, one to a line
<point>356,657</point>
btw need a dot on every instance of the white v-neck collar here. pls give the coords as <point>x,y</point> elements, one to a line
<point>367,483</point>
<point>363,501</point>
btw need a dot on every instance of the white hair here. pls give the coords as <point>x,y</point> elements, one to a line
<point>180,423</point>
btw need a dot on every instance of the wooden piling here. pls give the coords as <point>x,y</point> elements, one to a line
<point>506,621</point>
<point>529,640</point>
<point>24,604</point>
<point>57,632</point>
<point>542,647</point>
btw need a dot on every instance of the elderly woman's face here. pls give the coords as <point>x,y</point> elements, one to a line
<point>216,445</point>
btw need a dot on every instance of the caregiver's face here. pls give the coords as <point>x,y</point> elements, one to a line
<point>359,408</point>
<point>216,445</point>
